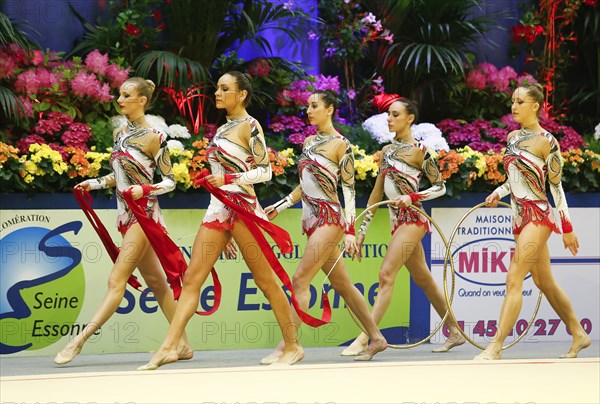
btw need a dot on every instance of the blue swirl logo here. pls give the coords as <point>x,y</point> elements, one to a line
<point>41,287</point>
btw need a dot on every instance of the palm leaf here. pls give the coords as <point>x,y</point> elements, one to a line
<point>8,34</point>
<point>171,70</point>
<point>11,105</point>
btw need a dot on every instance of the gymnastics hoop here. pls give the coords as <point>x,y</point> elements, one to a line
<point>404,346</point>
<point>448,257</point>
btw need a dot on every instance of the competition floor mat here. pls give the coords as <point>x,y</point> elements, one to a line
<point>323,377</point>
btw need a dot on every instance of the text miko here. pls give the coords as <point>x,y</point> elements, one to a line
<point>484,261</point>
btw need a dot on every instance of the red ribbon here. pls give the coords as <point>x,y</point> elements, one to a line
<point>167,251</point>
<point>279,235</point>
<point>84,199</point>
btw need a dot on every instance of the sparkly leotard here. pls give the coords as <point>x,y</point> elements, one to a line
<point>319,177</point>
<point>527,176</point>
<point>133,166</point>
<point>402,178</point>
<point>242,168</point>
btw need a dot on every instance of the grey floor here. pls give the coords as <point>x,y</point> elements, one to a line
<point>43,365</point>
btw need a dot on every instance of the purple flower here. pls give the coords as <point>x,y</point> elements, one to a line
<point>448,125</point>
<point>369,18</point>
<point>485,146</point>
<point>481,124</point>
<point>327,83</point>
<point>466,134</point>
<point>498,134</point>
<point>297,138</point>
<point>509,122</point>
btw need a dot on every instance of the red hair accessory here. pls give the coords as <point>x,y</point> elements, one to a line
<point>383,101</point>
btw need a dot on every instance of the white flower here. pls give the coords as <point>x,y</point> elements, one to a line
<point>157,122</point>
<point>178,131</point>
<point>118,121</point>
<point>175,144</point>
<point>377,126</point>
<point>430,136</point>
<point>154,121</point>
<point>597,132</point>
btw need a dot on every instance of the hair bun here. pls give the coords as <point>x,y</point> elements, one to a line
<point>248,77</point>
<point>151,84</point>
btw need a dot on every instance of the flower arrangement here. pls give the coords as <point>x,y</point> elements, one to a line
<point>63,100</point>
<point>290,123</point>
<point>484,135</point>
<point>486,92</point>
<point>464,169</point>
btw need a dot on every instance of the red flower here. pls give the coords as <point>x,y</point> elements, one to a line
<point>157,15</point>
<point>517,33</point>
<point>259,68</point>
<point>591,3</point>
<point>132,30</point>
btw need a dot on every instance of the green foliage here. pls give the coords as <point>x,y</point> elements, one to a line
<point>102,134</point>
<point>11,108</point>
<point>431,40</point>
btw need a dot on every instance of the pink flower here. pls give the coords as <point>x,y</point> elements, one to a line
<point>8,65</point>
<point>52,124</point>
<point>27,106</point>
<point>210,130</point>
<point>116,76</point>
<point>476,79</point>
<point>17,52</point>
<point>283,98</point>
<point>448,125</point>
<point>526,78</point>
<point>485,146</point>
<point>77,135</point>
<point>464,135</point>
<point>103,93</point>
<point>24,143</point>
<point>508,72</point>
<point>498,82</point>
<point>509,122</point>
<point>85,84</point>
<point>46,78</point>
<point>27,82</point>
<point>487,68</point>
<point>61,150</point>
<point>37,58</point>
<point>96,62</point>
<point>499,134</point>
<point>297,138</point>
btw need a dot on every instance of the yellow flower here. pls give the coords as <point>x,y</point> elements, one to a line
<point>182,174</point>
<point>289,155</point>
<point>479,159</point>
<point>364,166</point>
<point>32,168</point>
